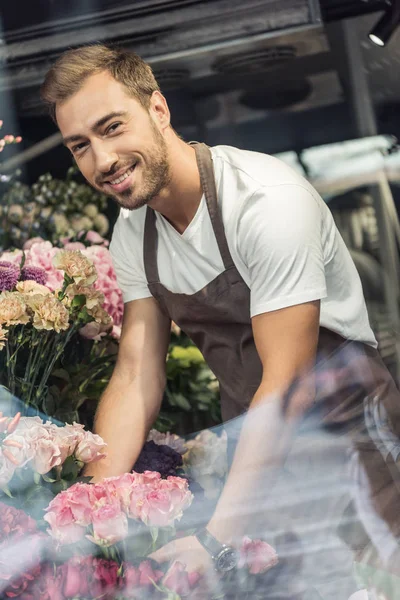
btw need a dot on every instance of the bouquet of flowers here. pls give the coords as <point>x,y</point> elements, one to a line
<point>37,321</point>
<point>64,538</point>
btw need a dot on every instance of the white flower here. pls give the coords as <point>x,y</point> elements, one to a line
<point>206,461</point>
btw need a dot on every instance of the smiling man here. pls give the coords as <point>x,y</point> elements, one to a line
<point>237,249</point>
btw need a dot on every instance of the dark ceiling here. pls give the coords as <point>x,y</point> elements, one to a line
<point>263,74</point>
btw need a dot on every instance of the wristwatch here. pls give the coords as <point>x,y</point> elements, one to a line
<point>225,558</point>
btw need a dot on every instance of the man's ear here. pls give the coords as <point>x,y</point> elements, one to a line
<point>159,110</point>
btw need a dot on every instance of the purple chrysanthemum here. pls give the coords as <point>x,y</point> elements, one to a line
<point>158,458</point>
<point>9,275</point>
<point>31,273</point>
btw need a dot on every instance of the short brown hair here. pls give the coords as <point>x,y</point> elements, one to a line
<point>70,71</point>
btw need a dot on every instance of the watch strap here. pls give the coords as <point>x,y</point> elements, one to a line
<point>209,542</point>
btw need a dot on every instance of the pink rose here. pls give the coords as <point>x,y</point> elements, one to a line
<point>88,577</point>
<point>110,525</point>
<point>178,580</point>
<point>80,499</point>
<point>257,556</point>
<point>90,448</point>
<point>65,514</point>
<point>147,574</point>
<point>121,487</point>
<point>74,246</point>
<point>157,510</point>
<point>66,437</point>
<point>46,456</point>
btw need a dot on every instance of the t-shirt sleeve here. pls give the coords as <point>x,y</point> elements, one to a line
<point>128,266</point>
<point>280,242</point>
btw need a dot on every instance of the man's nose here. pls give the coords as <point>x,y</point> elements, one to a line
<point>105,160</point>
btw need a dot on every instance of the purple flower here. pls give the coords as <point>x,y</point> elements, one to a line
<point>9,275</point>
<point>31,273</point>
<point>162,459</point>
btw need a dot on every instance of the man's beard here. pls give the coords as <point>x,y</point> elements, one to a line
<point>155,176</point>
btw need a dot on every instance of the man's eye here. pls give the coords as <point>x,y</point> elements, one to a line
<point>113,127</point>
<point>78,147</point>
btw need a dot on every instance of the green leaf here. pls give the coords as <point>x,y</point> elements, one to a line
<point>7,492</point>
<point>36,478</point>
<point>48,479</point>
<point>61,374</point>
<point>154,534</point>
<point>181,402</point>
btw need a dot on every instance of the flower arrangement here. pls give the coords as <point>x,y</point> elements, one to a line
<point>50,208</point>
<point>38,321</point>
<point>62,537</point>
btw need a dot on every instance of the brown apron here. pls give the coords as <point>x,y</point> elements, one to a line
<point>217,319</point>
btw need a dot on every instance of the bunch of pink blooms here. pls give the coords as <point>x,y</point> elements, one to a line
<point>100,512</point>
<point>40,253</point>
<point>43,446</point>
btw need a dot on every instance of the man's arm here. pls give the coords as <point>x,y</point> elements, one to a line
<point>286,341</point>
<point>132,400</point>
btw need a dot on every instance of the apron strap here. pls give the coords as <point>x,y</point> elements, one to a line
<point>207,178</point>
<point>150,243</point>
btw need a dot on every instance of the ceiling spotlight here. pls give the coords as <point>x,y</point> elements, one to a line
<point>386,26</point>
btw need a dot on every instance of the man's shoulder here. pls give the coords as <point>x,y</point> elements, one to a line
<point>254,168</point>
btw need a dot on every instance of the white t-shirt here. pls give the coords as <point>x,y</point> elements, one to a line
<point>281,235</point>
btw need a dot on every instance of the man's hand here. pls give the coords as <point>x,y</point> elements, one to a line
<point>188,551</point>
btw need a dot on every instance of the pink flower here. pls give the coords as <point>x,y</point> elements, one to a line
<point>93,331</point>
<point>79,499</point>
<point>178,580</point>
<point>137,578</point>
<point>41,254</point>
<point>166,503</point>
<point>14,257</point>
<point>88,577</point>
<point>74,246</point>
<point>121,487</point>
<point>47,455</point>
<point>107,281</point>
<point>95,238</point>
<point>29,243</point>
<point>65,514</point>
<point>147,574</point>
<point>90,448</point>
<point>257,556</point>
<point>66,437</point>
<point>110,525</point>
